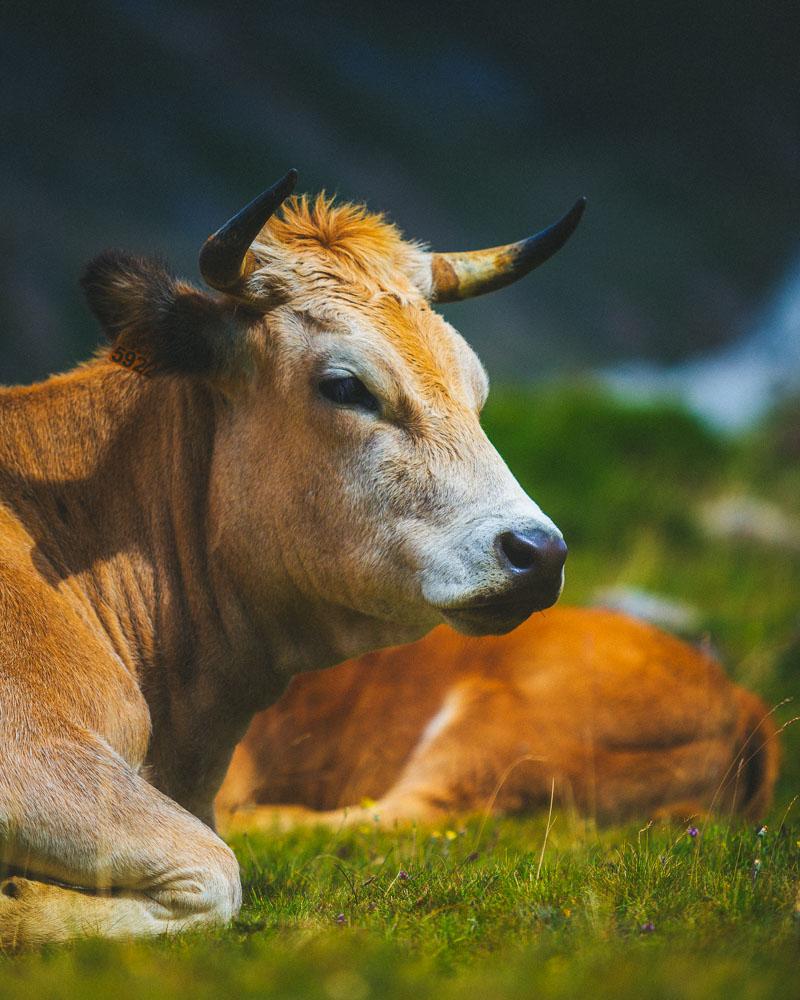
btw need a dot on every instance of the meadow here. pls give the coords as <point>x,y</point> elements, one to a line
<point>548,905</point>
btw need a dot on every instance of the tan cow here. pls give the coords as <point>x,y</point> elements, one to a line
<point>624,719</point>
<point>244,486</point>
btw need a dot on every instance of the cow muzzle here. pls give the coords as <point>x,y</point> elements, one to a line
<point>532,564</point>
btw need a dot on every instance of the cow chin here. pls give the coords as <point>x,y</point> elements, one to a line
<point>497,618</point>
<point>474,624</point>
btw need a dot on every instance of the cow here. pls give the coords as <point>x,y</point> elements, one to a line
<point>615,718</point>
<point>275,476</point>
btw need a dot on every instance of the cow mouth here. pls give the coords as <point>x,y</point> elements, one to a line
<point>499,615</point>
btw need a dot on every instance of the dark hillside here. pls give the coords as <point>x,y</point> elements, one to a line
<point>144,125</point>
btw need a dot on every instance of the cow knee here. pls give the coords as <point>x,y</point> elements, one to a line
<point>226,887</point>
<point>208,889</point>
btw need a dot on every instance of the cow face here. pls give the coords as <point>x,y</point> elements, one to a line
<point>349,455</point>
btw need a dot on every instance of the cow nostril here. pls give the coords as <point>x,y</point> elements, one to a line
<point>537,550</point>
<point>518,549</point>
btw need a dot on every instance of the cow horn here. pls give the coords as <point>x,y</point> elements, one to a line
<point>225,258</point>
<point>463,275</point>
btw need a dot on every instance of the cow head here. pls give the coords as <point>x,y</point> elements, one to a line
<point>348,448</point>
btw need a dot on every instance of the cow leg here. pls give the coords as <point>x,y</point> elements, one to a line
<point>277,818</point>
<point>95,850</point>
<point>384,813</point>
<point>460,764</point>
<point>463,762</point>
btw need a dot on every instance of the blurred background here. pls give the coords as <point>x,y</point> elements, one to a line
<point>144,125</point>
<point>646,379</point>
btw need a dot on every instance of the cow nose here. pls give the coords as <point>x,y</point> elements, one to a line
<point>533,551</point>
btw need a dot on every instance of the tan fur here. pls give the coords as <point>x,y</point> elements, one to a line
<point>340,245</point>
<point>628,722</point>
<point>176,545</point>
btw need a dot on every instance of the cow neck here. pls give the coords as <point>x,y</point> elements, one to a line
<point>109,471</point>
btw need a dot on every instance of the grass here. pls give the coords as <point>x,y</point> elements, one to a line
<point>416,914</point>
<point>503,908</point>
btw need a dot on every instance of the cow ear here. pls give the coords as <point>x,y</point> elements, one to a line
<point>156,322</point>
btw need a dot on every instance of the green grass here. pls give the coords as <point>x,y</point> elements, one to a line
<point>496,908</point>
<point>329,915</point>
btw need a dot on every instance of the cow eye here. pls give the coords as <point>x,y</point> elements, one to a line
<point>347,390</point>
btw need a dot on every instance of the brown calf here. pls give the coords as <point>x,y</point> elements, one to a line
<point>627,721</point>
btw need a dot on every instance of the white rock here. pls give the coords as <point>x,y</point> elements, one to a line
<point>747,517</point>
<point>666,612</point>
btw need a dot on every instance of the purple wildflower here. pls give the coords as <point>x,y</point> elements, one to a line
<point>402,875</point>
<point>647,928</point>
<point>341,918</point>
<point>693,831</point>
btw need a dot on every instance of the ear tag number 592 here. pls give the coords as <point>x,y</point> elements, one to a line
<point>132,359</point>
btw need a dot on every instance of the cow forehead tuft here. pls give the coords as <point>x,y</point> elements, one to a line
<point>347,229</point>
<point>319,243</point>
